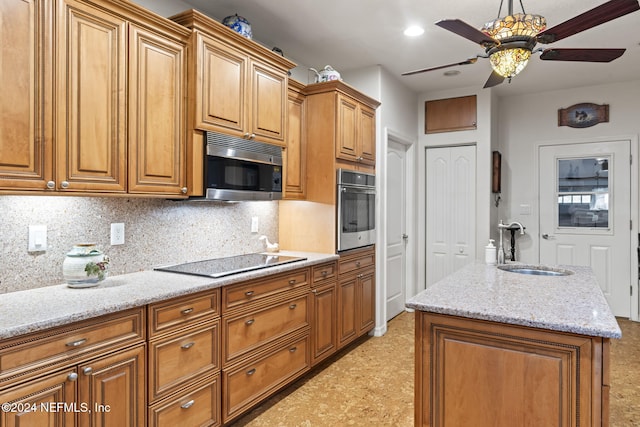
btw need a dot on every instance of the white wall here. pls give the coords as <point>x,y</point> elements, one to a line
<point>525,121</point>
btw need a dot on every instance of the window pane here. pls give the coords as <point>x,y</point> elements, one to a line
<point>583,192</point>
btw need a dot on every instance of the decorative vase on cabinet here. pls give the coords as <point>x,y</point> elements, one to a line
<point>84,266</point>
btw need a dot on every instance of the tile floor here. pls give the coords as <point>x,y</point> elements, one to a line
<point>372,385</point>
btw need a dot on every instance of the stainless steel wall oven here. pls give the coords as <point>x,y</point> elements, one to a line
<point>356,209</point>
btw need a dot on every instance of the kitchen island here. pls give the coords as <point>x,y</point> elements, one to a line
<point>498,348</point>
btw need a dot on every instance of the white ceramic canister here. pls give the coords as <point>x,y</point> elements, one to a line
<point>490,253</point>
<point>84,266</point>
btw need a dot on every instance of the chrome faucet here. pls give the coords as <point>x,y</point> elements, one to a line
<point>501,227</point>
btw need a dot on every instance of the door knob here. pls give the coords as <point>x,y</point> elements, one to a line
<point>405,236</point>
<point>547,237</point>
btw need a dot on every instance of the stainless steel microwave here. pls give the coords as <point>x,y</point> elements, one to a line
<point>356,209</point>
<point>237,169</point>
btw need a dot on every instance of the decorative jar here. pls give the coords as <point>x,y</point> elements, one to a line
<point>238,24</point>
<point>84,266</point>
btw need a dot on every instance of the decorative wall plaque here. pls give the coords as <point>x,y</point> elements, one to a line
<point>583,115</point>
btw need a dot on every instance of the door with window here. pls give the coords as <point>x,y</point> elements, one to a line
<point>585,213</point>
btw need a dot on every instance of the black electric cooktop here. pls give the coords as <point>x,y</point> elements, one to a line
<point>220,267</point>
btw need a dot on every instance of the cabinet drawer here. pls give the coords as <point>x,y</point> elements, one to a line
<point>236,295</point>
<point>71,342</point>
<point>323,273</point>
<point>246,332</point>
<point>351,263</point>
<point>179,358</point>
<point>249,383</point>
<point>177,313</point>
<point>198,406</point>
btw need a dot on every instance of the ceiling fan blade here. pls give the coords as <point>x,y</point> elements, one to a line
<point>424,70</point>
<point>584,55</point>
<point>599,15</point>
<point>494,80</point>
<point>465,30</point>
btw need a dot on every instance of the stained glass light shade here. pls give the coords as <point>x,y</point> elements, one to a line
<point>517,27</point>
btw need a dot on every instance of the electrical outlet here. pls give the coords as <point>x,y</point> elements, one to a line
<point>254,224</point>
<point>117,233</point>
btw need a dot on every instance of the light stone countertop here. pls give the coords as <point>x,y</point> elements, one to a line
<point>573,303</point>
<point>41,308</point>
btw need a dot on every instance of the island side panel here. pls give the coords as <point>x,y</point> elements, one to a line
<point>492,374</point>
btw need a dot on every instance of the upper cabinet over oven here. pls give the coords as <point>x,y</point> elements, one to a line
<point>237,86</point>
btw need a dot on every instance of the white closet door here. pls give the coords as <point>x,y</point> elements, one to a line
<point>450,210</point>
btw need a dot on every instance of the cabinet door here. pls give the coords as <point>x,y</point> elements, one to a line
<point>221,91</point>
<point>346,144</point>
<point>268,104</point>
<point>367,135</point>
<point>295,153</point>
<point>91,121</point>
<point>324,321</point>
<point>156,113</point>
<point>366,301</point>
<point>114,389</point>
<point>347,327</point>
<point>25,105</point>
<point>41,402</point>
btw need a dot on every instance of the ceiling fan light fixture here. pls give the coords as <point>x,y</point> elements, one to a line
<point>509,62</point>
<point>516,25</point>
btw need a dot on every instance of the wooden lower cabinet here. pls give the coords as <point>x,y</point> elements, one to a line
<point>198,406</point>
<point>108,391</point>
<point>324,318</point>
<point>251,381</point>
<point>480,373</point>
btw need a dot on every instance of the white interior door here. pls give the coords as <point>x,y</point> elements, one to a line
<point>585,213</point>
<point>450,210</point>
<point>396,225</point>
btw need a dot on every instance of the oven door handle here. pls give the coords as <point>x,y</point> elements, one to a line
<point>359,190</point>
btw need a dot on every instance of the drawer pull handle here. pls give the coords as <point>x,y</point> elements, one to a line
<point>187,311</point>
<point>188,345</point>
<point>293,349</point>
<point>88,370</point>
<point>248,293</point>
<point>292,281</point>
<point>249,322</point>
<point>72,376</point>
<point>324,273</point>
<point>293,306</point>
<point>76,343</point>
<point>188,405</point>
<point>251,371</point>
<point>357,263</point>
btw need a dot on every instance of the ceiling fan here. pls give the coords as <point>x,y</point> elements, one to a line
<point>509,41</point>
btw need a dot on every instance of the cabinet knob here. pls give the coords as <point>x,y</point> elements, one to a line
<point>188,405</point>
<point>187,346</point>
<point>357,263</point>
<point>293,306</point>
<point>292,281</point>
<point>187,311</point>
<point>248,293</point>
<point>64,184</point>
<point>249,322</point>
<point>51,185</point>
<point>88,370</point>
<point>251,371</point>
<point>183,190</point>
<point>252,136</point>
<point>72,376</point>
<point>324,273</point>
<point>293,349</point>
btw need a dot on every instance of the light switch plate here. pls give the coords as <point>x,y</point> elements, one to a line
<point>37,238</point>
<point>254,224</point>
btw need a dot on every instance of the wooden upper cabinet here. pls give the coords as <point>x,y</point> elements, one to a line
<point>295,152</point>
<point>91,108</point>
<point>26,86</point>
<point>239,87</point>
<point>157,128</point>
<point>451,114</point>
<point>356,131</point>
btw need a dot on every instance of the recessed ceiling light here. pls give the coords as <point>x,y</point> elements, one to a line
<point>451,73</point>
<point>413,31</point>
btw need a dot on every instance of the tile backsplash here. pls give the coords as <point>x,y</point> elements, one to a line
<point>157,232</point>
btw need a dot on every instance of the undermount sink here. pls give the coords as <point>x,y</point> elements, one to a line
<point>535,270</point>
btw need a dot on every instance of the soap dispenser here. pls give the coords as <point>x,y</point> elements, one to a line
<point>490,253</point>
